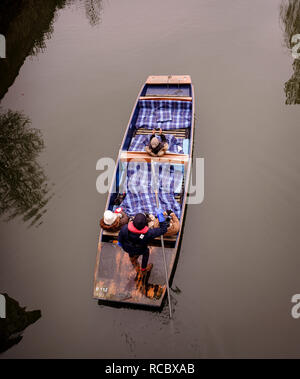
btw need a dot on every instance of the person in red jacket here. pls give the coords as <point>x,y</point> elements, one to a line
<point>135,237</point>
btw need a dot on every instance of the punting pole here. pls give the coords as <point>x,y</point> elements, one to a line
<point>162,242</point>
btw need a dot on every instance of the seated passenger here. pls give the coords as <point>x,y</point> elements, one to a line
<point>157,145</point>
<point>172,222</point>
<point>113,221</point>
<point>151,220</point>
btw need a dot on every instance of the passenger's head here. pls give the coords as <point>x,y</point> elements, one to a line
<point>140,221</point>
<point>154,142</point>
<point>109,217</point>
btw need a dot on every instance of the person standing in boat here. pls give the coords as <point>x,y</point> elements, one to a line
<point>135,237</point>
<point>157,145</point>
<point>113,221</point>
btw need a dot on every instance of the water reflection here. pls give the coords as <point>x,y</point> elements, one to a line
<point>290,16</point>
<point>26,26</point>
<point>16,321</point>
<point>94,10</point>
<point>23,184</point>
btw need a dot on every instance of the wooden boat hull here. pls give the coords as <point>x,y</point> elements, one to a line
<point>115,280</point>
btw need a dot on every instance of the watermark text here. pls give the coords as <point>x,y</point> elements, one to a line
<point>2,46</point>
<point>296,308</point>
<point>2,306</point>
<point>143,177</point>
<point>296,48</point>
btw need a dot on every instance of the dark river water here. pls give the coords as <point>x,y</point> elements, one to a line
<point>239,261</point>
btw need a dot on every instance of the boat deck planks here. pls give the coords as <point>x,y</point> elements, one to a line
<point>115,279</point>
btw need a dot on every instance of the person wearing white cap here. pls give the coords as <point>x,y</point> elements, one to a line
<point>113,221</point>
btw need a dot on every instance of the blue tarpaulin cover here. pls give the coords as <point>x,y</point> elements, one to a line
<point>139,186</point>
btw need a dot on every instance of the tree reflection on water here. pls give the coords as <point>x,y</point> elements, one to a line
<point>290,16</point>
<point>26,25</point>
<point>23,184</point>
<point>94,10</point>
<point>16,321</point>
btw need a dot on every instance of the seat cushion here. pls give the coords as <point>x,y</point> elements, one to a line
<point>165,114</point>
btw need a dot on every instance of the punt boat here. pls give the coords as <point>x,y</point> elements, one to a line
<point>165,102</point>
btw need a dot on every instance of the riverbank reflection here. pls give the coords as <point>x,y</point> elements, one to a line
<point>23,184</point>
<point>290,16</point>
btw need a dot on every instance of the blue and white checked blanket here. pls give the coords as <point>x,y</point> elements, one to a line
<point>165,114</point>
<point>139,142</point>
<point>139,186</point>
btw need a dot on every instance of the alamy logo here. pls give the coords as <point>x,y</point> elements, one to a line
<point>296,308</point>
<point>133,177</point>
<point>295,50</point>
<point>2,306</point>
<point>2,46</point>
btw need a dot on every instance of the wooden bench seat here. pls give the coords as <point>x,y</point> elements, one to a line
<point>137,156</point>
<point>166,97</point>
<point>115,234</point>
<point>178,133</point>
